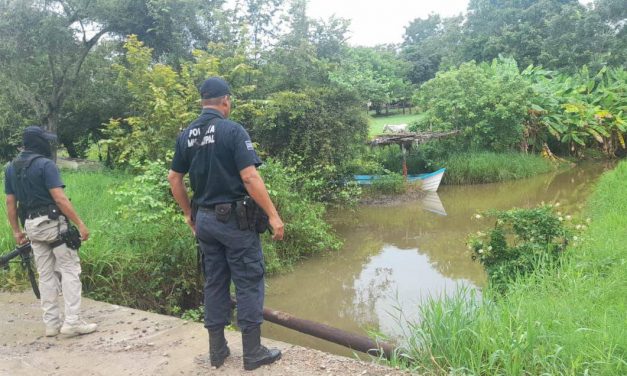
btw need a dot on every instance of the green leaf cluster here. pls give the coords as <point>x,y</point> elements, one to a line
<point>580,111</point>
<point>521,242</point>
<point>487,103</point>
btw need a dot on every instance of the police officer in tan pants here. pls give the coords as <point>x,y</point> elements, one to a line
<point>33,187</point>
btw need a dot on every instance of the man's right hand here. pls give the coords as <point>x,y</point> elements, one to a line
<point>84,231</point>
<point>277,227</point>
<point>20,237</point>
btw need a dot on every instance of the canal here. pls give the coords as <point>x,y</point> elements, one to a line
<point>396,255</point>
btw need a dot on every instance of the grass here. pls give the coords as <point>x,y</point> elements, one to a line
<point>487,167</point>
<point>146,266</point>
<point>141,253</point>
<point>570,321</point>
<point>377,123</point>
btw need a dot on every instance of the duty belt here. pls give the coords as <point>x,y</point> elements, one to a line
<point>31,214</point>
<point>213,206</point>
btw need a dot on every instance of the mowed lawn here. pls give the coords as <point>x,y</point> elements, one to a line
<point>377,123</point>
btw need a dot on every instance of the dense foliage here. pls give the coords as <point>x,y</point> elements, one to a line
<point>63,77</point>
<point>487,103</point>
<point>496,107</point>
<point>557,34</point>
<point>579,111</point>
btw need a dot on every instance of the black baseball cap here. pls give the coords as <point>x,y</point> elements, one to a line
<point>214,87</point>
<point>35,131</point>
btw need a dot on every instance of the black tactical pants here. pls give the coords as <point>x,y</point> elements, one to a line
<point>229,253</point>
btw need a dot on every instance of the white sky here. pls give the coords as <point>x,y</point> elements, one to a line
<point>383,21</point>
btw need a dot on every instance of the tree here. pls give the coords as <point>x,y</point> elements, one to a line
<point>487,103</point>
<point>259,18</point>
<point>377,75</point>
<point>317,126</point>
<point>44,45</point>
<point>430,44</point>
<point>557,34</point>
<point>97,97</point>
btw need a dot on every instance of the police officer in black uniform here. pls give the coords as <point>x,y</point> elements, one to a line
<point>221,161</point>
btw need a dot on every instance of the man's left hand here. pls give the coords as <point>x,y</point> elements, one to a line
<point>190,223</point>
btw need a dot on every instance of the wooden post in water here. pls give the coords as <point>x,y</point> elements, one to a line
<point>404,152</point>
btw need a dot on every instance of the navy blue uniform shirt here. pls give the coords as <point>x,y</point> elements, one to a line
<point>213,151</point>
<point>42,175</point>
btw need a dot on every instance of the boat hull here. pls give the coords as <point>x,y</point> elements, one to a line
<point>430,182</point>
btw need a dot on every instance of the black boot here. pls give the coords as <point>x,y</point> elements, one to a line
<point>255,354</point>
<point>218,350</point>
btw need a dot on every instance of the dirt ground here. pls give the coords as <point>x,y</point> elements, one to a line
<point>133,342</point>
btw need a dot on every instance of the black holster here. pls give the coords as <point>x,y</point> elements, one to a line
<point>240,214</point>
<point>71,238</point>
<point>257,219</point>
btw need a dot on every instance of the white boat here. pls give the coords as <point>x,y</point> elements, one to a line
<point>430,181</point>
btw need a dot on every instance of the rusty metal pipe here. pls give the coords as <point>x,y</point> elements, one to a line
<point>328,333</point>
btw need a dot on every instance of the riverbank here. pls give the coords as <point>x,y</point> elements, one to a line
<point>568,321</point>
<point>133,342</point>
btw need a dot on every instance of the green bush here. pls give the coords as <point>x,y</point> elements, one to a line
<point>521,241</point>
<point>390,183</point>
<point>306,232</point>
<point>323,126</point>
<point>487,103</point>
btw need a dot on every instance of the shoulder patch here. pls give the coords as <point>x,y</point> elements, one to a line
<point>249,145</point>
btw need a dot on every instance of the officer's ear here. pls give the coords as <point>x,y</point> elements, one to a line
<point>226,104</point>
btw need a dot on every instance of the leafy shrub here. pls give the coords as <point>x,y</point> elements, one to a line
<point>487,103</point>
<point>163,101</point>
<point>147,196</point>
<point>579,111</point>
<point>306,232</point>
<point>522,241</point>
<point>325,184</point>
<point>390,183</point>
<point>322,126</point>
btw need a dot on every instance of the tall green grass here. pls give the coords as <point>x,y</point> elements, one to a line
<point>566,322</point>
<point>487,167</point>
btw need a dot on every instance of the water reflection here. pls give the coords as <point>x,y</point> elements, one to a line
<point>395,256</point>
<point>431,202</point>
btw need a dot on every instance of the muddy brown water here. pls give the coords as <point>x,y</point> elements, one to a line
<point>397,255</point>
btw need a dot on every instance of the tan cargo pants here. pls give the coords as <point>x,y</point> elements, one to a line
<point>42,231</point>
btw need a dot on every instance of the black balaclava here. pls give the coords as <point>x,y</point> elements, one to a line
<point>37,140</point>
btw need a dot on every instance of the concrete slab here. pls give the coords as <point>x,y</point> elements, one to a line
<point>133,342</point>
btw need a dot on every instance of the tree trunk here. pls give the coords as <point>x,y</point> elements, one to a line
<point>52,124</point>
<point>71,149</point>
